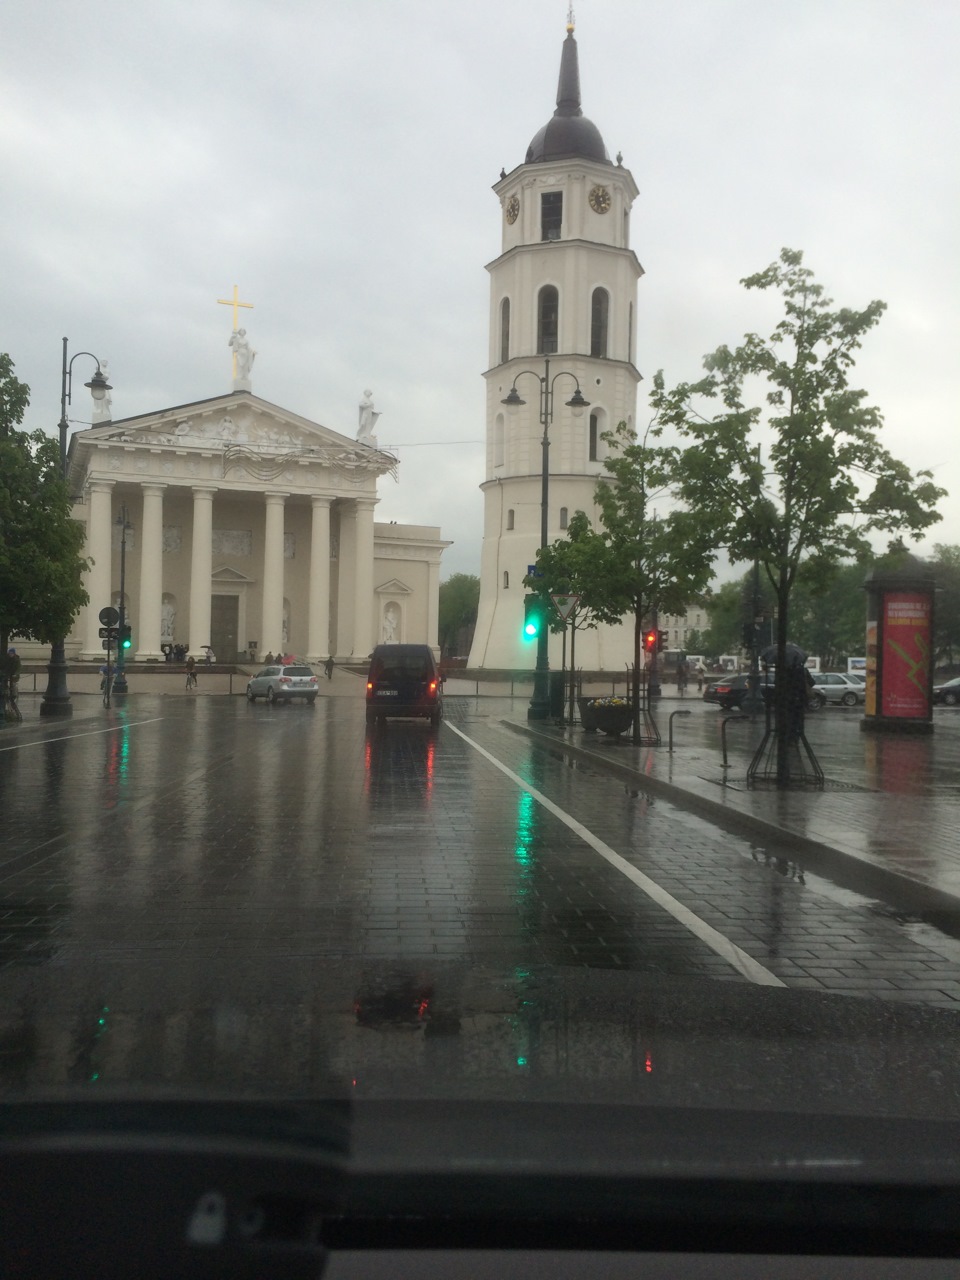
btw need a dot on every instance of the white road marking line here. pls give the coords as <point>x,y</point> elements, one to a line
<point>716,941</point>
<point>67,737</point>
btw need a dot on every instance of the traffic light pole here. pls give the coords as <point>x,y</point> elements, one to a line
<point>539,708</point>
<point>120,681</point>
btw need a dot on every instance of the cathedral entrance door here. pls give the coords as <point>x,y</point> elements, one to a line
<point>224,625</point>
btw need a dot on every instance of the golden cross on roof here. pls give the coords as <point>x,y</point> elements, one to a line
<point>235,303</point>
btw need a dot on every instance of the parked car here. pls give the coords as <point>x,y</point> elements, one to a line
<point>730,691</point>
<point>831,686</point>
<point>404,681</point>
<point>283,684</point>
<point>949,693</point>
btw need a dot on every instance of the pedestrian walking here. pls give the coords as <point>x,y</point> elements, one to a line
<point>191,672</point>
<point>328,667</point>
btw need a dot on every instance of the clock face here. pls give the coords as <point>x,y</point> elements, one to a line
<point>513,209</point>
<point>599,199</point>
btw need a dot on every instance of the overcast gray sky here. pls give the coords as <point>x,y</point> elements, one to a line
<point>335,161</point>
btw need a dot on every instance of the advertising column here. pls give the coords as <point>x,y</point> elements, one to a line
<point>899,653</point>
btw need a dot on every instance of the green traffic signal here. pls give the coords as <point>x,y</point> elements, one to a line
<point>126,639</point>
<point>533,618</point>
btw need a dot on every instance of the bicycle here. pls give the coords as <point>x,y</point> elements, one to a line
<point>191,680</point>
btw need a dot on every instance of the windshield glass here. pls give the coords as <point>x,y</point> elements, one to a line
<point>430,567</point>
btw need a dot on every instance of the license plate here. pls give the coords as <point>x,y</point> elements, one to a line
<point>387,693</point>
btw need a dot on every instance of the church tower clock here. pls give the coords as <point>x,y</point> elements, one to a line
<point>562,303</point>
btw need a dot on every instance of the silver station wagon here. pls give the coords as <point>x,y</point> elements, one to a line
<point>283,684</point>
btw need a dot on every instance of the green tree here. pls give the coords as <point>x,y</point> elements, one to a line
<point>459,598</point>
<point>826,482</point>
<point>579,565</point>
<point>635,561</point>
<point>40,562</point>
<point>946,571</point>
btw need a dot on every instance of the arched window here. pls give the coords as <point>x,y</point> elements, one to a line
<point>599,314</point>
<point>506,579</point>
<point>563,517</point>
<point>498,441</point>
<point>510,518</point>
<point>595,443</point>
<point>504,330</point>
<point>548,319</point>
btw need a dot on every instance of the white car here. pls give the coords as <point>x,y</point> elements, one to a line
<point>831,686</point>
<point>283,684</point>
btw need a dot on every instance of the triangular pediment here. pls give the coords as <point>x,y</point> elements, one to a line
<point>237,419</point>
<point>252,437</point>
<point>393,588</point>
<point>226,574</point>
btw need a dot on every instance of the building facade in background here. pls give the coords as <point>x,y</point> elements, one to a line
<point>562,292</point>
<point>249,529</point>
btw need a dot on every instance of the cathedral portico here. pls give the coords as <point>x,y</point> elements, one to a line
<point>248,526</point>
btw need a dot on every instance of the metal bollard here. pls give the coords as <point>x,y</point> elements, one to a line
<point>723,734</point>
<point>670,727</point>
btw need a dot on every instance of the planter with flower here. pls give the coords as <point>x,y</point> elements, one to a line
<point>612,716</point>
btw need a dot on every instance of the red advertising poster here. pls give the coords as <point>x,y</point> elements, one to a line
<point>906,655</point>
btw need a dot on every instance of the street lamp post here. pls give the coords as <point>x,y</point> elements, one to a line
<point>56,699</point>
<point>539,708</point>
<point>120,679</point>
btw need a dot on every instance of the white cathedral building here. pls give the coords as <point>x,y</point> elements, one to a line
<point>562,313</point>
<point>249,529</point>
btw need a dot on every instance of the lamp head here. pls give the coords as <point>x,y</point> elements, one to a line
<point>577,403</point>
<point>98,384</point>
<point>513,401</point>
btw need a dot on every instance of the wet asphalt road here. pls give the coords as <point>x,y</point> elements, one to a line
<point>180,856</point>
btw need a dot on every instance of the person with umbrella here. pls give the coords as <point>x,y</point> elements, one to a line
<point>799,683</point>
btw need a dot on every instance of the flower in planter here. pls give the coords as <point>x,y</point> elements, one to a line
<point>609,702</point>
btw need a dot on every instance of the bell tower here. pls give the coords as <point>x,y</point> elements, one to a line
<point>562,314</point>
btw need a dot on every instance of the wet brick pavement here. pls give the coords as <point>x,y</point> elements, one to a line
<point>197,832</point>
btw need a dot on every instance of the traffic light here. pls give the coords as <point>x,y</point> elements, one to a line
<point>661,641</point>
<point>126,640</point>
<point>749,635</point>
<point>650,641</point>
<point>533,619</point>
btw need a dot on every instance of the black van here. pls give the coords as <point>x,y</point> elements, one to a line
<point>404,681</point>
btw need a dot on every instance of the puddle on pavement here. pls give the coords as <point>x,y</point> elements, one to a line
<point>916,929</point>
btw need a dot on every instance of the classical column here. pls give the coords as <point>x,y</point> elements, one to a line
<point>98,549</point>
<point>364,639</point>
<point>346,577</point>
<point>433,603</point>
<point>318,625</point>
<point>147,632</point>
<point>201,569</point>
<point>271,627</point>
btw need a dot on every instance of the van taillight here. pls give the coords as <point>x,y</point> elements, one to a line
<point>433,686</point>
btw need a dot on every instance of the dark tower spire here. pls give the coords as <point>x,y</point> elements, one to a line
<point>568,134</point>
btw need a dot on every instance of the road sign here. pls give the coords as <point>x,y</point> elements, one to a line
<point>110,633</point>
<point>565,605</point>
<point>533,571</point>
<point>106,644</point>
<point>109,616</point>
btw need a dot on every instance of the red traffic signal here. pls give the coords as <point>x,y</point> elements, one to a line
<point>650,641</point>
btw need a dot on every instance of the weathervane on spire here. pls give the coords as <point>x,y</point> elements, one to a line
<point>571,22</point>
